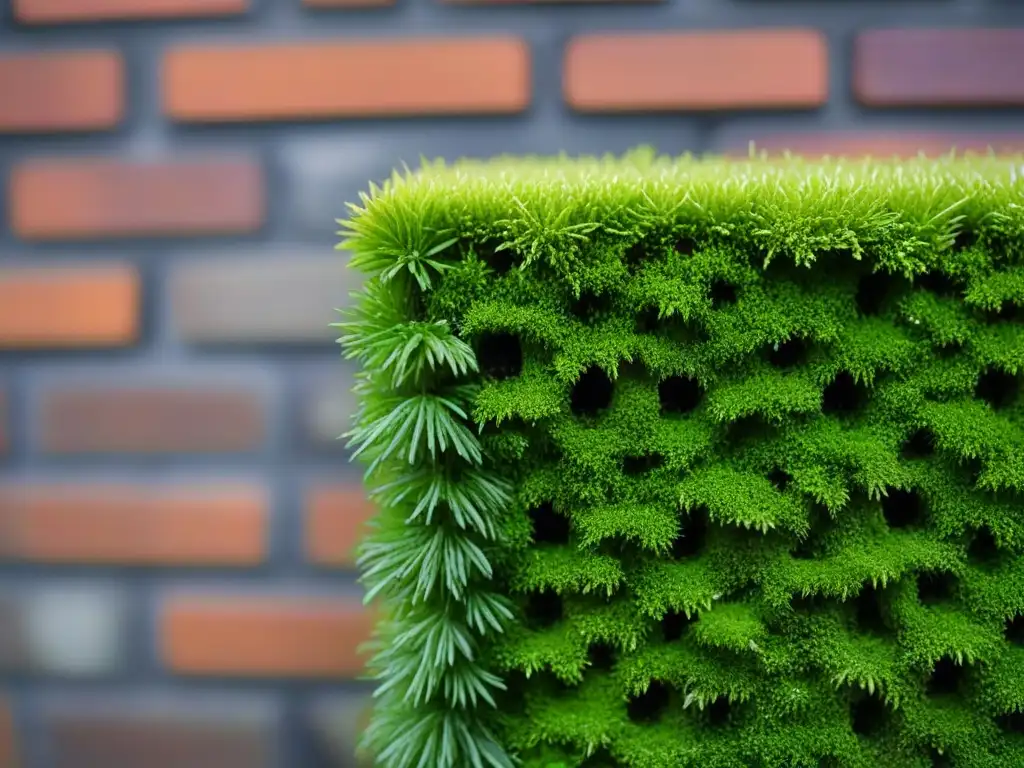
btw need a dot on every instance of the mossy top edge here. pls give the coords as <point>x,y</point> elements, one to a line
<point>905,212</point>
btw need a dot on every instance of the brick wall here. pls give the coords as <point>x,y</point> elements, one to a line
<point>176,517</point>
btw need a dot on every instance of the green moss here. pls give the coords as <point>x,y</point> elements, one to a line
<point>694,462</point>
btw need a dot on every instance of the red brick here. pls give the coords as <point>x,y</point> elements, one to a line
<point>150,420</point>
<point>8,747</point>
<point>134,524</point>
<point>65,199</point>
<point>336,517</point>
<point>93,306</point>
<point>61,91</point>
<point>764,69</point>
<point>264,636</point>
<point>429,76</point>
<point>125,729</point>
<point>64,11</point>
<point>939,67</point>
<point>880,144</point>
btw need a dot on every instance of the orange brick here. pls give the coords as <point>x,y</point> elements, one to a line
<point>95,306</point>
<point>64,11</point>
<point>336,518</point>
<point>764,69</point>
<point>882,145</point>
<point>96,198</point>
<point>8,746</point>
<point>346,79</point>
<point>61,91</point>
<point>134,524</point>
<point>264,636</point>
<point>150,420</point>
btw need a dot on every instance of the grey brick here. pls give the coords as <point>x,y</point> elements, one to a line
<point>162,731</point>
<point>337,721</point>
<point>288,295</point>
<point>64,630</point>
<point>327,405</point>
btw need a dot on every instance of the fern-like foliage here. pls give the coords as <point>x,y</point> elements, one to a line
<point>694,462</point>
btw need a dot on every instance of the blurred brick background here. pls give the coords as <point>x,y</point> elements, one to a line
<point>176,516</point>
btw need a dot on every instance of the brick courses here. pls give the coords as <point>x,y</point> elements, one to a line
<point>177,520</point>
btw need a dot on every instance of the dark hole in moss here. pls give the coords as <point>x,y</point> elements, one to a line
<point>1015,629</point>
<point>920,444</point>
<point>501,262</point>
<point>805,549</point>
<point>867,611</point>
<point>592,393</point>
<point>674,624</point>
<point>1011,722</point>
<point>590,306</point>
<point>649,705</point>
<point>638,465</point>
<point>780,478</point>
<point>809,604</point>
<point>938,283</point>
<point>872,291</point>
<point>679,394</point>
<point>722,294</point>
<point>946,678</point>
<point>902,509</point>
<point>939,759</point>
<point>549,527</point>
<point>636,256</point>
<point>949,351</point>
<point>601,656</point>
<point>964,239</point>
<point>828,761</point>
<point>1007,312</point>
<point>648,321</point>
<point>934,587</point>
<point>685,246</point>
<point>983,549</point>
<point>602,758</point>
<point>499,355</point>
<point>996,387</point>
<point>789,353</point>
<point>749,428</point>
<point>692,534</point>
<point>844,395</point>
<point>543,609</point>
<point>718,712</point>
<point>868,716</point>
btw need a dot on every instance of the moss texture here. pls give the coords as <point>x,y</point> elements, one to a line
<point>694,462</point>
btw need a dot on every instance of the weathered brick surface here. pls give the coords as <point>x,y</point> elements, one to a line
<point>64,11</point>
<point>134,524</point>
<point>753,69</point>
<point>940,67</point>
<point>186,731</point>
<point>8,736</point>
<point>263,636</point>
<point>86,199</point>
<point>61,91</point>
<point>97,305</point>
<point>287,296</point>
<point>65,629</point>
<point>336,517</point>
<point>415,76</point>
<point>176,513</point>
<point>110,418</point>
